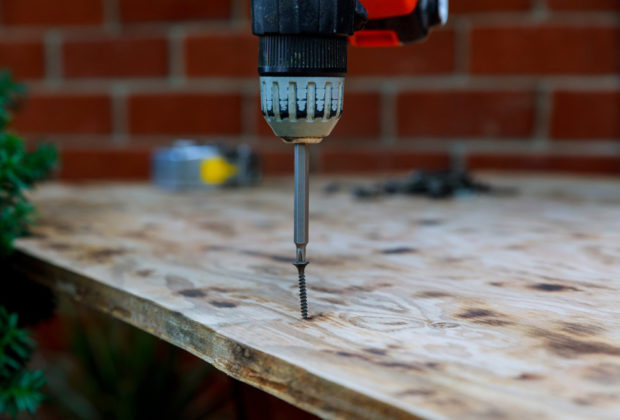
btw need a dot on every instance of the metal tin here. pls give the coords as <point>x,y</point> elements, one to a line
<point>187,165</point>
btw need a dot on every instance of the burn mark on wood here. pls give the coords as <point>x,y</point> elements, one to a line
<point>604,374</point>
<point>402,365</point>
<point>429,222</point>
<point>218,289</point>
<point>442,325</point>
<point>276,258</point>
<point>59,246</point>
<point>378,352</point>
<point>58,226</point>
<point>347,354</point>
<point>494,322</point>
<point>103,255</point>
<point>580,329</point>
<point>417,367</point>
<point>582,401</point>
<point>145,272</point>
<point>416,393</point>
<point>432,294</point>
<point>219,228</point>
<point>569,347</point>
<point>553,287</point>
<point>525,376</point>
<point>451,260</point>
<point>432,365</point>
<point>321,316</point>
<point>399,250</point>
<point>485,317</point>
<point>192,293</point>
<point>334,301</point>
<point>137,234</point>
<point>476,313</point>
<point>223,304</point>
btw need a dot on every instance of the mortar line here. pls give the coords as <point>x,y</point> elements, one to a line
<point>388,118</point>
<point>249,116</point>
<point>119,115</point>
<point>462,46</point>
<point>540,10</point>
<point>111,16</point>
<point>176,55</point>
<point>543,116</point>
<point>237,12</point>
<point>53,57</point>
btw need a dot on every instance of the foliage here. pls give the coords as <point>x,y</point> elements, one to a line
<point>19,169</point>
<point>118,372</point>
<point>20,389</point>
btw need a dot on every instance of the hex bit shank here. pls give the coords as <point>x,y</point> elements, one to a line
<point>301,200</point>
<point>301,219</point>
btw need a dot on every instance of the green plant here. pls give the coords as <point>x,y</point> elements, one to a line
<point>20,389</point>
<point>117,372</point>
<point>19,169</point>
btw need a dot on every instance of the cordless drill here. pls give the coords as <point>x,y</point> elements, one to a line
<point>302,62</point>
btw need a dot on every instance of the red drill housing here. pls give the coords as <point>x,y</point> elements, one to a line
<point>396,22</point>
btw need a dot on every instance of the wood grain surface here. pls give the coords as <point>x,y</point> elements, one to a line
<point>473,308</point>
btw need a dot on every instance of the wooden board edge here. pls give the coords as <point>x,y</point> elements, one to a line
<point>275,376</point>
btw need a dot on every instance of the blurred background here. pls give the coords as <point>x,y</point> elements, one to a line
<point>511,84</point>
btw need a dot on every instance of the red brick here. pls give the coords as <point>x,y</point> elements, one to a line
<point>435,55</point>
<point>546,163</point>
<point>125,164</point>
<point>185,113</point>
<point>24,59</point>
<point>584,115</point>
<point>57,12</point>
<point>64,114</point>
<point>466,114</point>
<point>232,55</point>
<point>172,10</point>
<point>475,6</point>
<point>407,161</point>
<point>368,160</point>
<point>276,162</point>
<point>545,50</point>
<point>353,161</point>
<point>361,116</point>
<point>583,4</point>
<point>116,57</point>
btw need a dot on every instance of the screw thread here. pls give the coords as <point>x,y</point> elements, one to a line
<point>303,299</point>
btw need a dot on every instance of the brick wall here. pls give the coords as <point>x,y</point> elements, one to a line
<point>508,84</point>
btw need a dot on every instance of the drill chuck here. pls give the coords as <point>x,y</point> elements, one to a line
<point>301,84</point>
<point>302,109</point>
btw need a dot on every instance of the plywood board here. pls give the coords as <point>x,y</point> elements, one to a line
<point>480,307</point>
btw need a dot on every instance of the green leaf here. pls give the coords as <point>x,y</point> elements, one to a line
<point>19,171</point>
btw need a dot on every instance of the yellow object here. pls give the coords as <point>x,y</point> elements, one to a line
<point>216,170</point>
